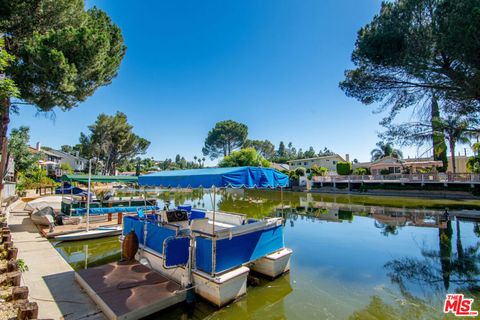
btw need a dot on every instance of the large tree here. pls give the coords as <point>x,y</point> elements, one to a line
<point>62,52</point>
<point>18,150</point>
<point>385,150</point>
<point>224,138</point>
<point>112,141</point>
<point>416,47</point>
<point>265,147</point>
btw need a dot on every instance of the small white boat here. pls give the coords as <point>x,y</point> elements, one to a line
<point>91,234</point>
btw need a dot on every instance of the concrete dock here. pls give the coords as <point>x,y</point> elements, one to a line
<point>129,290</point>
<point>50,278</point>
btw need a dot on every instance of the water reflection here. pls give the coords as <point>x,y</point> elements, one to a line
<point>90,253</point>
<point>354,257</point>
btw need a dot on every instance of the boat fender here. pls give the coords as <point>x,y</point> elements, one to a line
<point>129,246</point>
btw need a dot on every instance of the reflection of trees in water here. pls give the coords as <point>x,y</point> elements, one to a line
<point>378,309</point>
<point>438,269</point>
<point>433,275</point>
<point>180,197</point>
<point>255,205</point>
<point>386,229</point>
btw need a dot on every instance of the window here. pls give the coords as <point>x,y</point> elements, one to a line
<point>334,162</point>
<point>305,163</point>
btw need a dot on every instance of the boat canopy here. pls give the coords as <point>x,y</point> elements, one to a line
<point>237,177</point>
<point>97,178</point>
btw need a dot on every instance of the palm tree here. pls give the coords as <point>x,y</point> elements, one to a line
<point>385,150</point>
<point>203,162</point>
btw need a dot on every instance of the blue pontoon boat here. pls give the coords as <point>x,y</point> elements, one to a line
<point>212,250</point>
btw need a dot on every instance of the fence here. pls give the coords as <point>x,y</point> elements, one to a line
<point>473,178</point>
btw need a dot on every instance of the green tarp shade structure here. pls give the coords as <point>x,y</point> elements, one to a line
<point>96,178</point>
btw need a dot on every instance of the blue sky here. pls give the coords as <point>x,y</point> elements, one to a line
<point>273,65</point>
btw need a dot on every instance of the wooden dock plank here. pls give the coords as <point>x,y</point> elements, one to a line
<point>129,290</point>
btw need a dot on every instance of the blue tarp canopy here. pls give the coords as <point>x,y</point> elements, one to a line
<point>248,177</point>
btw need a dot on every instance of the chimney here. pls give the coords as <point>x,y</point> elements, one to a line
<point>347,157</point>
<point>38,147</point>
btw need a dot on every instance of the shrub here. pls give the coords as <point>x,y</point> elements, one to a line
<point>344,168</point>
<point>384,172</point>
<point>361,171</point>
<point>318,171</point>
<point>473,164</point>
<point>244,157</point>
<point>300,171</point>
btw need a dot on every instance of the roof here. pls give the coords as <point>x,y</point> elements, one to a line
<point>97,178</point>
<point>318,158</point>
<point>62,154</point>
<point>237,177</point>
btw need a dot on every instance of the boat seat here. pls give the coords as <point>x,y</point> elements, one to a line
<point>204,225</point>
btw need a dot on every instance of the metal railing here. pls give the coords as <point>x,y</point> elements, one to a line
<point>403,178</point>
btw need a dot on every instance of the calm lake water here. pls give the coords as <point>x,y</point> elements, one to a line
<point>355,257</point>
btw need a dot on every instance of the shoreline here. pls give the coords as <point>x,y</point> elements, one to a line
<point>50,278</point>
<point>449,195</point>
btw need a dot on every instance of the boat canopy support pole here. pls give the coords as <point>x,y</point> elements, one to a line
<point>214,239</point>
<point>88,192</point>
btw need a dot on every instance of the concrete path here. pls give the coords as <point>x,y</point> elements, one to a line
<point>50,278</point>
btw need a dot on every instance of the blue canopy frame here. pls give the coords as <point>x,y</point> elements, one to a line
<point>236,177</point>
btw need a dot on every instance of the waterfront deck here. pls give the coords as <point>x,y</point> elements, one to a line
<point>129,290</point>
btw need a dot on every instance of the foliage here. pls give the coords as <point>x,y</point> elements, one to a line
<point>264,147</point>
<point>318,171</point>
<point>300,171</point>
<point>384,172</point>
<point>344,168</point>
<point>22,266</point>
<point>414,48</point>
<point>438,136</point>
<point>310,153</point>
<point>285,154</point>
<point>456,129</point>
<point>385,150</point>
<point>244,157</point>
<point>473,164</point>
<point>7,85</point>
<point>34,178</point>
<point>18,149</point>
<point>361,171</point>
<point>66,167</point>
<point>63,52</point>
<point>111,141</point>
<point>476,148</point>
<point>224,138</point>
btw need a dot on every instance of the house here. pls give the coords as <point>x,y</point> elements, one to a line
<point>75,161</point>
<point>411,165</point>
<point>398,166</point>
<point>53,159</point>
<point>329,162</point>
<point>280,166</point>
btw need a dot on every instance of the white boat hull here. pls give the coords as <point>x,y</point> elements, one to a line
<point>91,234</point>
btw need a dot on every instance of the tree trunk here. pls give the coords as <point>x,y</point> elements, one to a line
<point>452,153</point>
<point>5,120</point>
<point>438,138</point>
